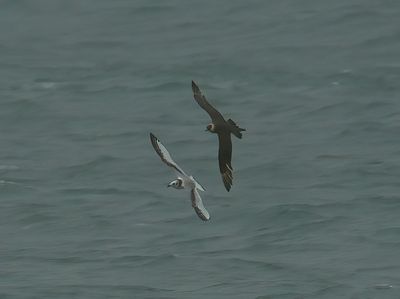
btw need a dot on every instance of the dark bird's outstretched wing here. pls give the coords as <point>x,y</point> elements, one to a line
<point>225,157</point>
<point>198,206</point>
<point>164,154</point>
<point>201,100</point>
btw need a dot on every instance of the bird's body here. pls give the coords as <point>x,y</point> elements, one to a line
<point>183,180</point>
<point>224,129</point>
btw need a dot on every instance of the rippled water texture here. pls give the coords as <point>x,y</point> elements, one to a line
<point>314,209</point>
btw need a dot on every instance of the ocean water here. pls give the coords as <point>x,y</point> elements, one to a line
<point>314,209</point>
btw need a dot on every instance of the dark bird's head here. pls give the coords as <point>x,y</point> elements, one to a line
<point>177,184</point>
<point>211,128</point>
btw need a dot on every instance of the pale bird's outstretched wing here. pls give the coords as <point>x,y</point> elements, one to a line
<point>202,101</point>
<point>164,154</point>
<point>198,206</point>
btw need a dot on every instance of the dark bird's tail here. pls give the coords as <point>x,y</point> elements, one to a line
<point>235,128</point>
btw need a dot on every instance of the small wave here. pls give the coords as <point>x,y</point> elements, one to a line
<point>383,286</point>
<point>257,263</point>
<point>9,167</point>
<point>45,85</point>
<point>81,168</point>
<point>91,137</point>
<point>3,182</point>
<point>168,86</point>
<point>16,184</point>
<point>334,157</point>
<point>99,191</point>
<point>151,9</point>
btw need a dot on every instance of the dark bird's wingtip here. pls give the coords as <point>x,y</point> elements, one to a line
<point>227,182</point>
<point>195,88</point>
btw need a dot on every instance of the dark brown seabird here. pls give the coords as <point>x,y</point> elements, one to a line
<point>224,129</point>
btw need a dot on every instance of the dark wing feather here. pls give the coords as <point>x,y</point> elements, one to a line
<point>198,206</point>
<point>224,158</point>
<point>164,154</point>
<point>201,100</point>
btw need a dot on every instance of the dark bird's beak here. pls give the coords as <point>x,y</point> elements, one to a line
<point>169,185</point>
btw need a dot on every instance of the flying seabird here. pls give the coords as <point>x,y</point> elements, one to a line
<point>183,180</point>
<point>224,129</point>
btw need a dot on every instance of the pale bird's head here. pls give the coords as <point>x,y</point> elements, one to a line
<point>177,184</point>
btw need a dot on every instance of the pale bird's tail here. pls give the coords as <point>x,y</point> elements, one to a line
<point>197,184</point>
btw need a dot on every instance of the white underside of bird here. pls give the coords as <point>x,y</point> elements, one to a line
<point>183,180</point>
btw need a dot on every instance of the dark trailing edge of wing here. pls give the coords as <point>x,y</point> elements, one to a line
<point>224,159</point>
<point>196,209</point>
<point>203,103</point>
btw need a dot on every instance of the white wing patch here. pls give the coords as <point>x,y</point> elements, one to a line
<point>164,154</point>
<point>198,206</point>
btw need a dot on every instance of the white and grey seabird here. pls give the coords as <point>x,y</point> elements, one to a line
<point>183,180</point>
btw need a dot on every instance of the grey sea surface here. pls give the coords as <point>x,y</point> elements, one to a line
<point>314,211</point>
